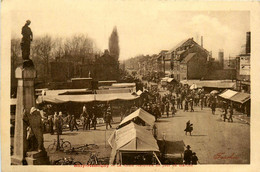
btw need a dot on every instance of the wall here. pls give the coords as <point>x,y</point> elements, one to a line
<point>196,67</point>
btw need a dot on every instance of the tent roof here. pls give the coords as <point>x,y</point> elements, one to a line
<point>210,83</point>
<point>123,85</point>
<point>110,91</point>
<point>240,97</point>
<point>135,138</point>
<point>85,98</point>
<point>228,94</point>
<point>145,116</point>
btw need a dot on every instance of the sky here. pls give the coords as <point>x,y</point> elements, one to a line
<point>143,28</point>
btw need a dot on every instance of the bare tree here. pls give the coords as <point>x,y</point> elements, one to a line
<point>43,47</point>
<point>58,50</point>
<point>16,58</point>
<point>80,47</point>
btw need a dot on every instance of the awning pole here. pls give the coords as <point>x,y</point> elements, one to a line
<point>157,158</point>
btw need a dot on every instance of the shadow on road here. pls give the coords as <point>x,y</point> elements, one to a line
<point>69,134</point>
<point>198,135</point>
<point>160,120</point>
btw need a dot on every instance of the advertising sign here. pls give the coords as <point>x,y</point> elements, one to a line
<point>244,65</point>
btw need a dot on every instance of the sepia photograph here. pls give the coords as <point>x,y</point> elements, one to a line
<point>120,83</point>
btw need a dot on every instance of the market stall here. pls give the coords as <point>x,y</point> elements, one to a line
<point>140,117</point>
<point>133,144</point>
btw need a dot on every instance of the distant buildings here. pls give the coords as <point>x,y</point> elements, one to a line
<point>103,67</point>
<point>243,67</point>
<point>188,60</point>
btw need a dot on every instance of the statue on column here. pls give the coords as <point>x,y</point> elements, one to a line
<point>26,44</point>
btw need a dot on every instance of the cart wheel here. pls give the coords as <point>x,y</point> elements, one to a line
<point>66,146</point>
<point>52,148</point>
<point>60,162</point>
<point>77,163</point>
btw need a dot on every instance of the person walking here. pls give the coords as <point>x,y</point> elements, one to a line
<point>191,105</point>
<point>162,108</point>
<point>94,121</point>
<point>73,123</point>
<point>187,155</point>
<point>167,108</point>
<point>60,123</point>
<point>188,128</point>
<point>173,110</point>
<point>84,122</point>
<point>178,100</point>
<point>230,119</point>
<point>225,111</point>
<point>108,117</point>
<point>50,121</point>
<point>213,107</point>
<point>186,105</point>
<point>201,103</point>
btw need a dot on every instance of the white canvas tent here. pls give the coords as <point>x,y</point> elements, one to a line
<point>132,138</point>
<point>142,114</point>
<point>228,94</point>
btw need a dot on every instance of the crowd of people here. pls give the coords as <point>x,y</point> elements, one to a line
<point>57,122</point>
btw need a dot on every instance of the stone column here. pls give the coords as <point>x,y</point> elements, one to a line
<point>25,100</point>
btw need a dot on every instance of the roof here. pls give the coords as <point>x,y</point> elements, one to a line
<point>240,97</point>
<point>111,91</point>
<point>80,79</point>
<point>142,114</point>
<point>188,57</point>
<point>210,83</point>
<point>85,98</point>
<point>123,85</point>
<point>57,92</point>
<point>228,94</point>
<point>177,46</point>
<point>135,138</point>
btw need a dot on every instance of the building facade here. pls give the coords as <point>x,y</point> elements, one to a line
<point>188,60</point>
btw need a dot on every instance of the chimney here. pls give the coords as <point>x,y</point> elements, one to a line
<point>248,44</point>
<point>202,41</point>
<point>221,58</point>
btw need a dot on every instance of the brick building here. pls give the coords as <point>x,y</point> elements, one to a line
<point>188,60</point>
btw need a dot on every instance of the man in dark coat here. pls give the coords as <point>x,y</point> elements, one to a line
<point>73,123</point>
<point>108,117</point>
<point>191,105</point>
<point>167,108</point>
<point>26,40</point>
<point>230,118</point>
<point>187,155</point>
<point>50,121</point>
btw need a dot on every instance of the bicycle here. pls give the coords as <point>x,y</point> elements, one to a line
<point>94,160</point>
<point>82,149</point>
<point>64,145</point>
<point>66,161</point>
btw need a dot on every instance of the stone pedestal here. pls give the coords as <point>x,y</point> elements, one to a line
<point>37,158</point>
<point>25,75</point>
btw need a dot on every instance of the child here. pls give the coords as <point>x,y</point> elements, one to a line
<point>194,159</point>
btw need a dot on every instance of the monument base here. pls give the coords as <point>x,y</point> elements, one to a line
<point>15,160</point>
<point>37,158</point>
